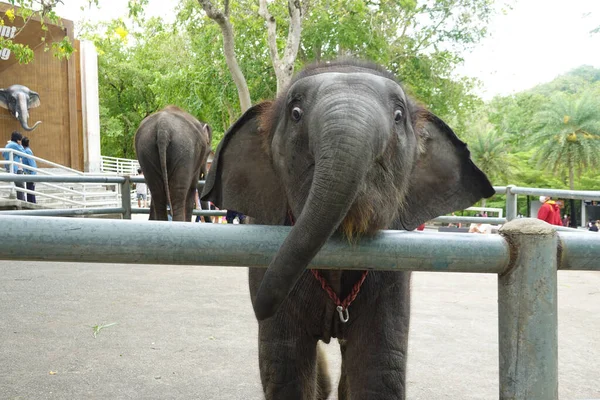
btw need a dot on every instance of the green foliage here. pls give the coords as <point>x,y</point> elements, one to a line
<point>574,82</point>
<point>145,65</point>
<point>22,53</point>
<point>512,116</point>
<point>491,154</point>
<point>205,83</point>
<point>541,144</point>
<point>136,9</point>
<point>32,11</point>
<point>62,49</point>
<point>420,41</point>
<point>568,134</point>
<point>125,76</point>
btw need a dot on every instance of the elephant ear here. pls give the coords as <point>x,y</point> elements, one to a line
<point>4,98</point>
<point>208,130</point>
<point>444,179</point>
<point>242,177</point>
<point>34,100</point>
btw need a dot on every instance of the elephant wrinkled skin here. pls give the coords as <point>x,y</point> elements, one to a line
<point>343,149</point>
<point>172,147</point>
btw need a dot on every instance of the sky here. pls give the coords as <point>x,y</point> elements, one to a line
<point>534,43</point>
<point>531,44</point>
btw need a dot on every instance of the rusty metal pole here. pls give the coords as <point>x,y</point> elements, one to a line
<point>527,313</point>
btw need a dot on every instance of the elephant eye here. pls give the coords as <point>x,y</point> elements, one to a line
<point>398,116</point>
<point>297,114</point>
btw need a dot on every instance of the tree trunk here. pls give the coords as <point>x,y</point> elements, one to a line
<point>283,66</point>
<point>573,214</point>
<point>571,177</point>
<point>572,202</point>
<point>222,18</point>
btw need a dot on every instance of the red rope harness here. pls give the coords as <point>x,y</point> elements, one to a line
<point>342,306</point>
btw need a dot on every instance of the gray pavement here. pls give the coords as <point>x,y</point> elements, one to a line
<point>185,332</point>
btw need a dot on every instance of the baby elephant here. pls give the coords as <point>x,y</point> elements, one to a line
<point>343,149</point>
<point>172,147</point>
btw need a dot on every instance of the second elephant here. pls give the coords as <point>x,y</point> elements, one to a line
<point>172,148</point>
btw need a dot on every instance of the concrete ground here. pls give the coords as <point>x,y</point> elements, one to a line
<point>181,332</point>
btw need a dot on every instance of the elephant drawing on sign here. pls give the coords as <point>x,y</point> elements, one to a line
<point>18,99</point>
<point>172,147</point>
<point>343,149</point>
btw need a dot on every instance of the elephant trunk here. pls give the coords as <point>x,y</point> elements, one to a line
<point>344,151</point>
<point>22,114</point>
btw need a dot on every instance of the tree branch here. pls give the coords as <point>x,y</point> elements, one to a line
<point>428,36</point>
<point>271,35</point>
<point>229,50</point>
<point>283,66</point>
<point>226,8</point>
<point>212,13</point>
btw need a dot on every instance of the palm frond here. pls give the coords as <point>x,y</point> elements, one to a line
<point>567,133</point>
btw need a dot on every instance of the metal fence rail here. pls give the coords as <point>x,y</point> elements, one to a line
<point>526,256</point>
<point>144,242</point>
<point>160,242</point>
<point>124,182</point>
<point>81,194</point>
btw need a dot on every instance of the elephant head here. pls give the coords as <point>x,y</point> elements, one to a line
<point>18,99</point>
<point>344,148</point>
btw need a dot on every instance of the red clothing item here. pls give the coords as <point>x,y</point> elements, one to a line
<point>550,212</point>
<point>546,213</point>
<point>557,219</point>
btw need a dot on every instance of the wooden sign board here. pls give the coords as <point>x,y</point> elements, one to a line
<point>59,138</point>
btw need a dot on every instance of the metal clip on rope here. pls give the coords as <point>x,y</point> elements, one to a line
<point>343,313</point>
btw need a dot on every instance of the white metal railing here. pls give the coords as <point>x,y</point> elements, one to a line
<point>498,211</point>
<point>119,166</point>
<point>11,162</point>
<point>58,195</point>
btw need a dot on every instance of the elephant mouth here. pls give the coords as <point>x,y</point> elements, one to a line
<point>376,204</point>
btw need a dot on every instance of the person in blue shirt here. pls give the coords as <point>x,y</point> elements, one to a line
<point>30,162</point>
<point>15,144</point>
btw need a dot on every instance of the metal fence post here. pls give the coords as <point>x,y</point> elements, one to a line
<point>511,203</point>
<point>527,313</point>
<point>126,198</point>
<point>13,191</point>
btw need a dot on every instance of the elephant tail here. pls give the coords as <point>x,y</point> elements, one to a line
<point>163,138</point>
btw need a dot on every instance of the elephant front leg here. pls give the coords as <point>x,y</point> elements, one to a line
<point>153,213</point>
<point>374,352</point>
<point>288,362</point>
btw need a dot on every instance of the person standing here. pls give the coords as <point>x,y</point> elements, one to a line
<point>549,211</point>
<point>28,171</point>
<point>566,220</point>
<point>141,190</point>
<point>15,144</point>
